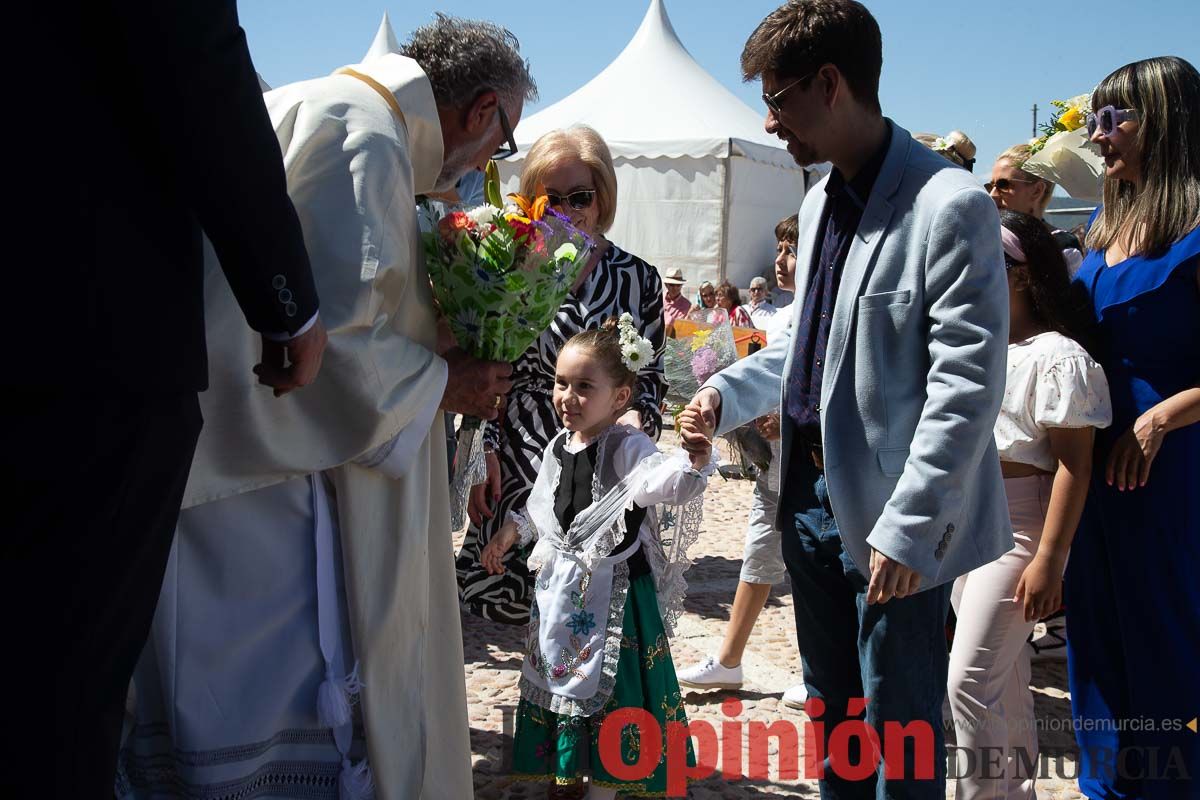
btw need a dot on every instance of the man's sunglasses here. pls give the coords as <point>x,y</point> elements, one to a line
<point>505,150</point>
<point>1107,119</point>
<point>772,100</point>
<point>578,200</point>
<point>1003,184</point>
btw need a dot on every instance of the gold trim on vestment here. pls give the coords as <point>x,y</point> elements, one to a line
<point>379,88</point>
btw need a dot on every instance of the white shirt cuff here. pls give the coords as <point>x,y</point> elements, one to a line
<point>287,337</point>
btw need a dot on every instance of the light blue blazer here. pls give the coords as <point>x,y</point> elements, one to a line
<point>914,374</point>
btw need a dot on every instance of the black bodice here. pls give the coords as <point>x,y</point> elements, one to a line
<point>574,494</point>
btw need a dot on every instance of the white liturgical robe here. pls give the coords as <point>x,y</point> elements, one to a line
<point>358,147</point>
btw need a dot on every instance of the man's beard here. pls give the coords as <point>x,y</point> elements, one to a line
<point>455,165</point>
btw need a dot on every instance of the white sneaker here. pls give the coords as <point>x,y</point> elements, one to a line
<point>711,674</point>
<point>795,696</point>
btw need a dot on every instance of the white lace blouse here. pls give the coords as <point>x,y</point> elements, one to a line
<point>1052,383</point>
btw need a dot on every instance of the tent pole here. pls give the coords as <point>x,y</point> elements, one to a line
<point>722,250</point>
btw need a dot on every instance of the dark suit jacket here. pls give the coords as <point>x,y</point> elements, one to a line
<point>159,132</point>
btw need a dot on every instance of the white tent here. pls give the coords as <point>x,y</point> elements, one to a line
<point>701,185</point>
<point>385,41</point>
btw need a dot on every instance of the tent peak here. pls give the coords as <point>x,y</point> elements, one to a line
<point>385,41</point>
<point>656,30</point>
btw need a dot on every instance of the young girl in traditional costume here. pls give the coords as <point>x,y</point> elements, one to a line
<point>608,588</point>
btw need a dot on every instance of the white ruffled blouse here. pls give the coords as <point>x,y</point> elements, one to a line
<point>1052,382</point>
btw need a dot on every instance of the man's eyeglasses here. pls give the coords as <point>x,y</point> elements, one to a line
<point>772,100</point>
<point>1004,185</point>
<point>758,288</point>
<point>1108,118</point>
<point>578,200</point>
<point>505,150</point>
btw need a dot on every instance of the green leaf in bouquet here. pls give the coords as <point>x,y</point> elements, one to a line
<point>498,248</point>
<point>491,185</point>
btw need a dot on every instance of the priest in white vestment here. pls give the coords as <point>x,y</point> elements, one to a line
<point>307,640</point>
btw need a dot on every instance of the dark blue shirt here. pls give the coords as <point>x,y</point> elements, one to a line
<point>843,211</point>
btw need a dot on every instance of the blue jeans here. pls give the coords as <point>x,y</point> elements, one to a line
<point>893,653</point>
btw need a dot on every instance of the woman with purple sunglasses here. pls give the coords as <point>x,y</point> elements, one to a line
<point>1133,602</point>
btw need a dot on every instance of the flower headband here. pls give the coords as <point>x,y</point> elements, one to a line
<point>636,350</point>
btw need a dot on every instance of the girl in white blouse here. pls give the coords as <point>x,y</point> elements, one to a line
<point>1055,398</point>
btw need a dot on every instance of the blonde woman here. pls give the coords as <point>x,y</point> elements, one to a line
<point>1133,602</point>
<point>1014,189</point>
<point>573,167</point>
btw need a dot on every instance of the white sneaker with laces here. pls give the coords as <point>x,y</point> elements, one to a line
<point>711,674</point>
<point>795,696</point>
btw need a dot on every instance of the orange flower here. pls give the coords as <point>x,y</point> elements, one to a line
<point>532,211</point>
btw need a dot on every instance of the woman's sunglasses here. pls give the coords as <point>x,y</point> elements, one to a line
<point>578,200</point>
<point>1108,118</point>
<point>1003,184</point>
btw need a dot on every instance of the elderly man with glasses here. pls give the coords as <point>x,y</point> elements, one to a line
<point>760,307</point>
<point>327,511</point>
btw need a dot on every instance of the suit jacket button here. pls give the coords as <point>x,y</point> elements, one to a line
<point>290,309</point>
<point>950,528</point>
<point>278,282</point>
<point>285,295</point>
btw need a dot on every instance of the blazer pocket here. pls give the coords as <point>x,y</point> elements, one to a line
<point>891,460</point>
<point>902,297</point>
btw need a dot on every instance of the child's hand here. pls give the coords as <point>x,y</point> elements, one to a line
<point>768,426</point>
<point>1040,588</point>
<point>492,557</point>
<point>691,424</point>
<point>692,421</point>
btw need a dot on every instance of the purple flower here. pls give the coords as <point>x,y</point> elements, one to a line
<point>704,364</point>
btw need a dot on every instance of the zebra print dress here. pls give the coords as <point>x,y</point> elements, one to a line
<point>621,282</point>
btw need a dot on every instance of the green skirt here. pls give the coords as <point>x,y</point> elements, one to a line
<point>553,747</point>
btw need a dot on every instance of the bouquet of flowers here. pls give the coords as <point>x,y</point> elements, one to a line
<point>690,361</point>
<point>499,274</point>
<point>1064,155</point>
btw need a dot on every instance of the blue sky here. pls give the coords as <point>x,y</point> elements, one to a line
<point>976,65</point>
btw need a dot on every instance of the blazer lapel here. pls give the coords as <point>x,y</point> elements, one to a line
<point>863,249</point>
<point>806,242</point>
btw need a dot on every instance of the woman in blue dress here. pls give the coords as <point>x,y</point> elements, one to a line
<point>1132,595</point>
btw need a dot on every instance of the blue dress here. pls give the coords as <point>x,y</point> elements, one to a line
<point>1132,593</point>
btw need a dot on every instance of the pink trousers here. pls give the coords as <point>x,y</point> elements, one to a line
<point>989,663</point>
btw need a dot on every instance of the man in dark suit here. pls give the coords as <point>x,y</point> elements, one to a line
<point>153,130</point>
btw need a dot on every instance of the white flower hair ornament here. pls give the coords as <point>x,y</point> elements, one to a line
<point>636,351</point>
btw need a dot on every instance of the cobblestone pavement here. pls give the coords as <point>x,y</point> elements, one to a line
<point>493,656</point>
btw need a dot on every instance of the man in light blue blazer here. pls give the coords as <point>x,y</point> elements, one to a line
<point>890,378</point>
